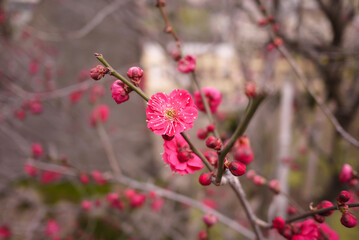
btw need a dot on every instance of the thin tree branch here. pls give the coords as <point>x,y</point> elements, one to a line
<point>238,190</point>
<point>318,101</point>
<point>86,29</point>
<point>145,186</point>
<point>242,126</point>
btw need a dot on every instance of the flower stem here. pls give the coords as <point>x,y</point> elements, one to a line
<point>322,210</point>
<point>197,152</point>
<point>242,126</point>
<point>119,76</point>
<point>238,190</point>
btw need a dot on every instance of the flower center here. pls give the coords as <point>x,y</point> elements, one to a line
<point>171,113</point>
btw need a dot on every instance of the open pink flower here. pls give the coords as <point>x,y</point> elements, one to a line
<point>187,64</point>
<point>180,157</point>
<point>213,96</point>
<point>171,114</point>
<point>328,232</point>
<point>308,230</point>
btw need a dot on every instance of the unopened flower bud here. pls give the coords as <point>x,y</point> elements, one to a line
<point>263,22</point>
<point>278,41</point>
<point>118,92</point>
<point>291,210</point>
<point>214,143</point>
<point>130,193</point>
<point>276,27</point>
<point>202,133</point>
<point>37,150</point>
<point>346,174</point>
<point>84,179</point>
<point>348,220</point>
<point>353,182</point>
<point>319,218</point>
<point>205,179</point>
<point>274,186</point>
<point>237,168</point>
<point>175,54</point>
<point>168,29</point>
<point>271,19</point>
<point>343,197</point>
<point>20,114</point>
<point>210,219</point>
<point>259,180</point>
<point>138,200</point>
<point>250,90</point>
<point>135,74</point>
<point>202,235</point>
<point>86,205</point>
<point>243,154</point>
<point>278,223</point>
<point>30,170</point>
<point>251,174</point>
<point>212,157</point>
<point>325,204</point>
<point>98,72</point>
<point>210,128</point>
<point>270,47</point>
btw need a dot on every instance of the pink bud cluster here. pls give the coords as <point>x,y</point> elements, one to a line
<point>34,106</point>
<point>307,229</point>
<point>278,41</point>
<point>202,133</point>
<point>320,218</point>
<point>120,91</point>
<point>348,219</point>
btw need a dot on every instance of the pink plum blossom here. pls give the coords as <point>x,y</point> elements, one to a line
<point>213,96</point>
<point>328,232</point>
<point>187,64</point>
<point>180,157</point>
<point>171,114</point>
